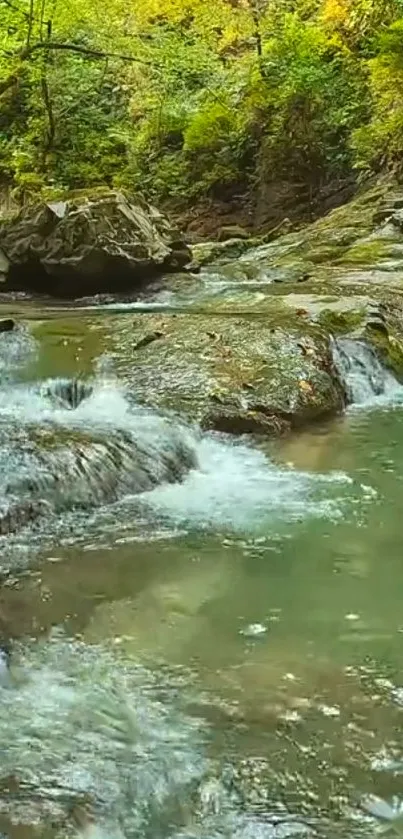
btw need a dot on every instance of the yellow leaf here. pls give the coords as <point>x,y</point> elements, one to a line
<point>305,386</point>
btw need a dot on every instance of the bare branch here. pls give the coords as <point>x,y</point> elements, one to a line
<point>51,131</point>
<point>91,53</point>
<point>30,22</point>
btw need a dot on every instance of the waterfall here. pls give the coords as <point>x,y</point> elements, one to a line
<point>365,379</point>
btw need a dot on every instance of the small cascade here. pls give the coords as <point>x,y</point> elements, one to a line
<point>67,393</point>
<point>72,445</point>
<point>365,379</point>
<point>16,347</point>
<point>68,444</point>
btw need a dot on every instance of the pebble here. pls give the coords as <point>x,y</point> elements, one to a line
<point>254,630</point>
<point>329,710</point>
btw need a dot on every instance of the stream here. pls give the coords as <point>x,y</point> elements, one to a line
<point>206,632</point>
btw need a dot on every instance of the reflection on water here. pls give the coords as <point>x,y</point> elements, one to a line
<point>220,657</point>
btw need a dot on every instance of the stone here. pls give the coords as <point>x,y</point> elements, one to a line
<point>148,339</point>
<point>18,513</point>
<point>232,231</point>
<point>7,325</point>
<point>238,374</point>
<point>88,244</point>
<point>206,252</point>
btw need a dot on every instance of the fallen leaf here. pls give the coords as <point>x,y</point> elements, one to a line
<point>305,386</point>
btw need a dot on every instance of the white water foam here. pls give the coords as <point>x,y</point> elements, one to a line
<point>236,486</point>
<point>16,348</point>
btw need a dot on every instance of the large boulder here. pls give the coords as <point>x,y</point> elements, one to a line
<point>234,373</point>
<point>87,244</point>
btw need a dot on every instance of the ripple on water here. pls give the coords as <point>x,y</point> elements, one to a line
<point>80,722</point>
<point>85,725</point>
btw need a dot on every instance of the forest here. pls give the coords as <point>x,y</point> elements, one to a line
<point>185,100</point>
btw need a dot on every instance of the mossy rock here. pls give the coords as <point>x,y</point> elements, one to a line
<point>237,373</point>
<point>389,348</point>
<point>368,253</point>
<point>341,322</point>
<point>205,253</point>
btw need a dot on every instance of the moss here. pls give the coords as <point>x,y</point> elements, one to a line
<point>340,323</point>
<point>389,348</point>
<point>366,253</point>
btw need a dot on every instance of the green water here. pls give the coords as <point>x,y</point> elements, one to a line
<point>272,632</point>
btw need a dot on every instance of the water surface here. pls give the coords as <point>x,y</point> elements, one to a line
<point>209,652</point>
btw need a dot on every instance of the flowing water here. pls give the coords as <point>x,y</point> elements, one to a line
<point>207,633</point>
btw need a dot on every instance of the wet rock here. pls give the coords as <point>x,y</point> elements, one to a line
<point>238,374</point>
<point>206,252</point>
<point>7,325</point>
<point>245,422</point>
<point>88,244</point>
<point>18,513</point>
<point>232,231</point>
<point>148,339</point>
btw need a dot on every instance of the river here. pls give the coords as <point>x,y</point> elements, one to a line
<point>207,632</point>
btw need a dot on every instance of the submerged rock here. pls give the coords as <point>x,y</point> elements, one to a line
<point>88,244</point>
<point>18,513</point>
<point>7,325</point>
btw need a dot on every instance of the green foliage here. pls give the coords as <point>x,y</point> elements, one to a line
<point>379,142</point>
<point>314,97</point>
<point>221,94</point>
